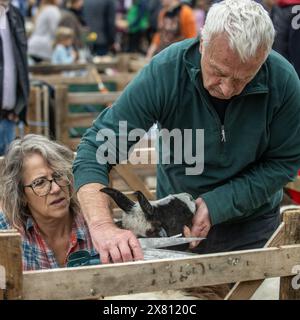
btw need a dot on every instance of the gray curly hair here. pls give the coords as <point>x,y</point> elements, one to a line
<point>59,159</point>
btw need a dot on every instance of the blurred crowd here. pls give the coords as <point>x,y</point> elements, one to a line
<point>65,31</point>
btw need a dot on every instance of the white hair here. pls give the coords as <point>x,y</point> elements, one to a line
<point>245,22</point>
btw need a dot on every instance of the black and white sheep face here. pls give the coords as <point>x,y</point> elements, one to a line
<point>161,218</point>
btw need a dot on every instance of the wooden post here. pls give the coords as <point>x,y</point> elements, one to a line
<point>123,64</point>
<point>163,274</point>
<point>32,110</point>
<point>291,220</point>
<point>11,276</point>
<point>46,118</point>
<point>245,290</point>
<point>61,114</point>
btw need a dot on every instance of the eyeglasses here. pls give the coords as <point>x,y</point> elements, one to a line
<point>42,186</point>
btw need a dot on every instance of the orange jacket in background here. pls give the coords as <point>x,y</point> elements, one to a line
<point>187,26</point>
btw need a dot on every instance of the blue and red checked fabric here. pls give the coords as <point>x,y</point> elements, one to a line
<point>35,251</point>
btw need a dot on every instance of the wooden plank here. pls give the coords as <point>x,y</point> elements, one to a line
<point>124,60</point>
<point>11,264</point>
<point>147,276</point>
<point>46,111</point>
<point>102,63</point>
<point>137,65</point>
<point>38,110</point>
<point>120,78</point>
<point>1,162</point>
<point>133,180</point>
<point>60,79</point>
<point>93,97</point>
<point>291,220</point>
<point>81,119</point>
<point>61,114</point>
<point>245,290</point>
<point>31,116</point>
<point>47,68</point>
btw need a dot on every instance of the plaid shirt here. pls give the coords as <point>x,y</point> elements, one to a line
<point>37,254</point>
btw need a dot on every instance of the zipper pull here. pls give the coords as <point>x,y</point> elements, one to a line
<point>223,135</point>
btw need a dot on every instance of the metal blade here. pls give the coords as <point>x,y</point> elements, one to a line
<point>155,254</point>
<point>165,242</point>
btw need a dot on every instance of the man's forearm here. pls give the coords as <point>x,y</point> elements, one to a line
<point>95,205</point>
<point>112,243</point>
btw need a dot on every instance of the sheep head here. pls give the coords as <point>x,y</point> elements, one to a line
<point>162,218</point>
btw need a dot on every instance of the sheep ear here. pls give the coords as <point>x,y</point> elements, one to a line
<point>144,203</point>
<point>121,200</point>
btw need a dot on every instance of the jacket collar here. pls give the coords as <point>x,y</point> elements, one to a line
<point>192,57</point>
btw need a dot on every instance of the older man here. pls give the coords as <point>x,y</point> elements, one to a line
<point>14,82</point>
<point>245,97</point>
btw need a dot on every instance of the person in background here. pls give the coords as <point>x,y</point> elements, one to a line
<point>21,5</point>
<point>72,17</point>
<point>76,6</point>
<point>14,81</point>
<point>200,11</point>
<point>287,26</point>
<point>64,52</point>
<point>37,199</point>
<point>154,7</point>
<point>100,16</point>
<point>40,43</point>
<point>32,7</point>
<point>176,22</point>
<point>138,24</point>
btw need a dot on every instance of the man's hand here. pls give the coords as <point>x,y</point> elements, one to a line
<point>114,244</point>
<point>201,223</point>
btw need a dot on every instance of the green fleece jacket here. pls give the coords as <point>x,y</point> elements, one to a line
<point>246,162</point>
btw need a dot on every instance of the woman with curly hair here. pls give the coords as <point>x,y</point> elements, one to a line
<point>38,200</point>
